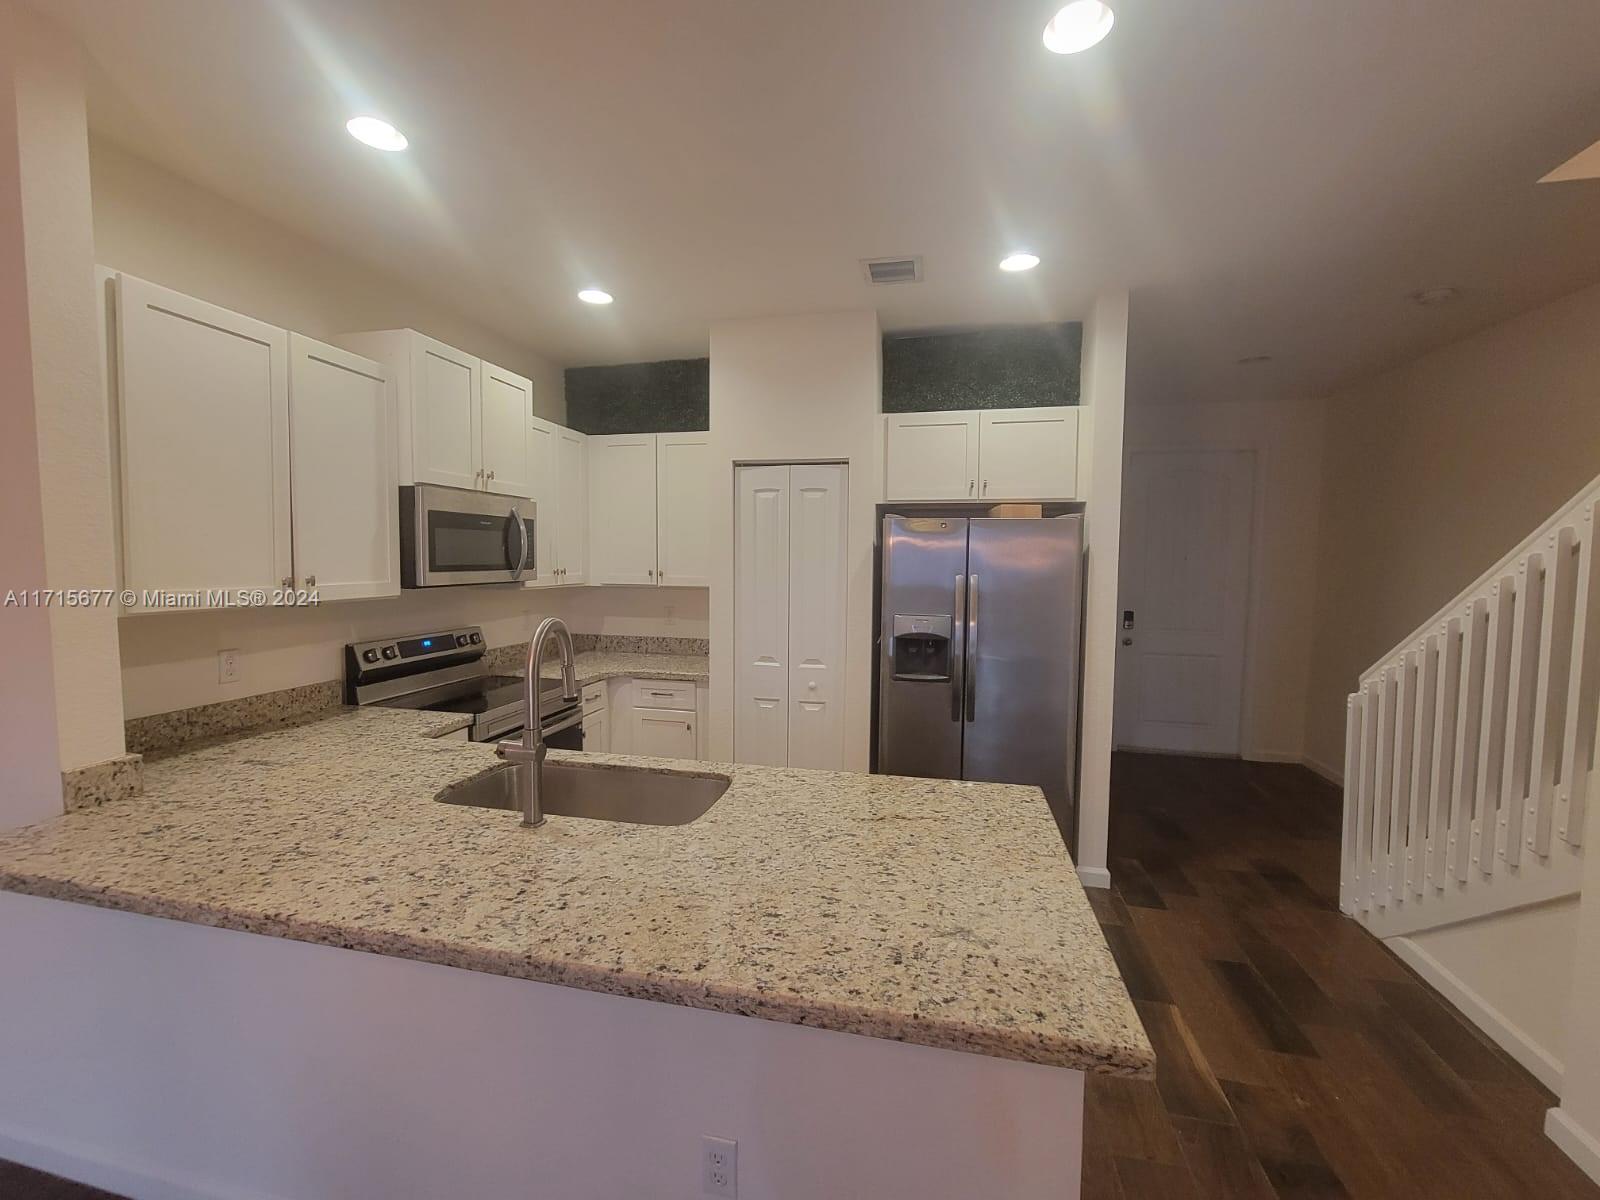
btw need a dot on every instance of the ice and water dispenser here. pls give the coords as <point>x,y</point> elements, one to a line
<point>920,649</point>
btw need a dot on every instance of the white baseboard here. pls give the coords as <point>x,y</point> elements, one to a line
<point>1540,1063</point>
<point>82,1164</point>
<point>1576,1143</point>
<point>1334,775</point>
<point>1095,877</point>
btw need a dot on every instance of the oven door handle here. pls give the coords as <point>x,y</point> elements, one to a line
<point>522,542</point>
<point>563,721</point>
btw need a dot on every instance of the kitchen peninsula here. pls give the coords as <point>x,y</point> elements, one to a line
<point>942,914</point>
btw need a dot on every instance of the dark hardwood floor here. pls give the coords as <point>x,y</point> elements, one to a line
<point>1297,1056</point>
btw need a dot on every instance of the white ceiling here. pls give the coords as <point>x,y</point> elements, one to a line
<point>1267,176</point>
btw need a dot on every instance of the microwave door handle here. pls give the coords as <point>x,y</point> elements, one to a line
<point>522,542</point>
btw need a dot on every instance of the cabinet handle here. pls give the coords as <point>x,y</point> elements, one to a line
<point>288,581</point>
<point>651,573</point>
<point>311,581</point>
<point>985,487</point>
<point>491,474</point>
<point>972,485</point>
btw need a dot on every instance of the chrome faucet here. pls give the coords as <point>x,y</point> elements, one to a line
<point>528,752</point>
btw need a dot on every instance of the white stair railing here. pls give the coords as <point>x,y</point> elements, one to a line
<point>1470,747</point>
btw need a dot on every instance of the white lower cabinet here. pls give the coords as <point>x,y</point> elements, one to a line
<point>789,614</point>
<point>663,733</point>
<point>597,731</point>
<point>248,457</point>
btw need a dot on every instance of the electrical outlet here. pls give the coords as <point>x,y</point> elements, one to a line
<point>719,1167</point>
<point>227,666</point>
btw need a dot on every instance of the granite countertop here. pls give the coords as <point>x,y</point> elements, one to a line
<point>926,911</point>
<point>594,665</point>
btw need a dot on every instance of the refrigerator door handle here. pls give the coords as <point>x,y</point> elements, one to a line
<point>958,658</point>
<point>971,662</point>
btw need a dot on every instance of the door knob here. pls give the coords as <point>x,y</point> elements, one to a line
<point>1127,641</point>
<point>812,686</point>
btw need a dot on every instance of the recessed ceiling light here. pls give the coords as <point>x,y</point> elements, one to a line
<point>1254,360</point>
<point>1428,297</point>
<point>594,296</point>
<point>1020,261</point>
<point>378,134</point>
<point>1079,25</point>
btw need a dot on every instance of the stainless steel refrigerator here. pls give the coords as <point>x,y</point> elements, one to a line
<point>979,628</point>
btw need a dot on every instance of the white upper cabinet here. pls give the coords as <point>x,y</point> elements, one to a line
<point>572,506</point>
<point>685,486</point>
<point>203,403</point>
<point>1028,454</point>
<point>932,456</point>
<point>542,448</point>
<point>506,421</point>
<point>459,418</point>
<point>248,457</point>
<point>998,454</point>
<point>622,508</point>
<point>559,463</point>
<point>342,459</point>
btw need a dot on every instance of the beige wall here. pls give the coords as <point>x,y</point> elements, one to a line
<point>160,227</point>
<point>1436,469</point>
<point>785,389</point>
<point>1286,440</point>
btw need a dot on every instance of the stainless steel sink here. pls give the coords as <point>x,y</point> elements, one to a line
<point>601,793</point>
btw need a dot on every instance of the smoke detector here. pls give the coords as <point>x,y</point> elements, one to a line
<point>893,270</point>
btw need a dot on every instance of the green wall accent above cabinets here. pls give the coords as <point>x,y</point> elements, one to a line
<point>673,396</point>
<point>1032,366</point>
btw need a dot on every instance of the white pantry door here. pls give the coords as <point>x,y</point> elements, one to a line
<point>761,616</point>
<point>818,535</point>
<point>1185,578</point>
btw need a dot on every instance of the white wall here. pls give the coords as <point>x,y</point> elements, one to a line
<point>1436,469</point>
<point>208,1062</point>
<point>158,226</point>
<point>785,389</point>
<point>1511,974</point>
<point>1286,440</point>
<point>30,779</point>
<point>169,660</point>
<point>1103,391</point>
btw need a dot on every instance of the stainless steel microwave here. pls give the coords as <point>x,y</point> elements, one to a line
<point>451,536</point>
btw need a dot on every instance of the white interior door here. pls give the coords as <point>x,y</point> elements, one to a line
<point>446,438</point>
<point>342,462</point>
<point>622,508</point>
<point>685,484</point>
<point>818,534</point>
<point>1185,578</point>
<point>506,421</point>
<point>761,616</point>
<point>204,407</point>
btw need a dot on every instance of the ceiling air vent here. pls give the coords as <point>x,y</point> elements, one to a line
<point>893,270</point>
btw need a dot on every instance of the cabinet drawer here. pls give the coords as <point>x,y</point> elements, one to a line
<point>654,693</point>
<point>594,698</point>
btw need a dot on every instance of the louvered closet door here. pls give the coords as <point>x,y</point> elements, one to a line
<point>817,539</point>
<point>761,616</point>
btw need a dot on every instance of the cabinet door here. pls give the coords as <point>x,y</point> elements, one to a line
<point>818,535</point>
<point>572,507</point>
<point>1028,454</point>
<point>342,458</point>
<point>622,508</point>
<point>931,456</point>
<point>543,448</point>
<point>507,415</point>
<point>663,733</point>
<point>204,431</point>
<point>685,490</point>
<point>597,732</point>
<point>446,440</point>
<point>761,616</point>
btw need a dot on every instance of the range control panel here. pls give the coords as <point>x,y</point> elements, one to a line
<point>419,647</point>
